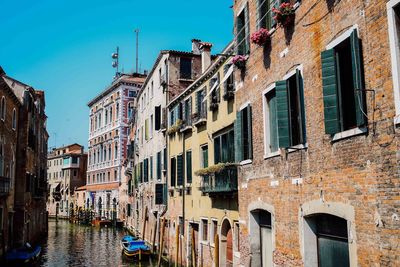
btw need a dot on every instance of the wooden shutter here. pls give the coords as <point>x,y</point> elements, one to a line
<point>189,167</point>
<point>159,194</point>
<point>165,159</point>
<point>157,118</point>
<point>238,137</point>
<point>359,95</point>
<point>173,172</point>
<point>179,163</point>
<point>329,88</point>
<point>190,110</point>
<point>247,27</point>
<point>159,165</point>
<point>299,84</point>
<point>250,132</point>
<point>282,107</point>
<point>141,172</point>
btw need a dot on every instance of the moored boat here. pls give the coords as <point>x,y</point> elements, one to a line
<point>131,247</point>
<point>25,254</point>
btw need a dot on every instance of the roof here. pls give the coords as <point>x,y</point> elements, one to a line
<point>100,187</point>
<point>221,59</point>
<point>135,79</point>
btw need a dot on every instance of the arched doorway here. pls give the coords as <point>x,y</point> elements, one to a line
<point>226,244</point>
<point>261,238</point>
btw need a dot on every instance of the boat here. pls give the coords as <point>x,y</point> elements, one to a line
<point>25,254</point>
<point>134,248</point>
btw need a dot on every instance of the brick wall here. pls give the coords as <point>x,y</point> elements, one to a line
<point>360,172</point>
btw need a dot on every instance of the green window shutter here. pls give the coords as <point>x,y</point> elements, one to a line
<point>173,172</point>
<point>146,170</point>
<point>238,138</point>
<point>165,159</point>
<point>273,122</point>
<point>159,165</point>
<point>250,133</point>
<point>151,168</point>
<point>189,167</point>
<point>356,60</point>
<point>282,108</point>
<point>157,118</point>
<point>247,27</point>
<point>299,81</point>
<point>329,88</point>
<point>159,194</point>
<point>141,172</point>
<point>179,160</point>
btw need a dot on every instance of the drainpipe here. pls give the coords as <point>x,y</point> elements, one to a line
<point>184,186</point>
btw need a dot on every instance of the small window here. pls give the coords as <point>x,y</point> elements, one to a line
<point>132,93</point>
<point>189,167</point>
<point>224,149</point>
<point>204,156</point>
<point>173,172</point>
<point>243,135</point>
<point>3,108</point>
<point>242,32</point>
<point>185,68</point>
<point>14,119</point>
<point>264,18</point>
<point>204,229</point>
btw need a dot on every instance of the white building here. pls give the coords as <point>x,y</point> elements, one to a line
<point>109,116</point>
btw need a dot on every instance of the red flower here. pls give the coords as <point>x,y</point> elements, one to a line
<point>260,37</point>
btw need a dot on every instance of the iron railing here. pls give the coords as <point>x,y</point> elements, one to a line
<point>225,181</point>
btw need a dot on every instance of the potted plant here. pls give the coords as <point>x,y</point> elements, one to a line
<point>260,37</point>
<point>284,14</point>
<point>239,61</point>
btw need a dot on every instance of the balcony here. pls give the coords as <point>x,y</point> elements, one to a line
<point>4,186</point>
<point>221,181</point>
<point>187,124</point>
<point>200,118</point>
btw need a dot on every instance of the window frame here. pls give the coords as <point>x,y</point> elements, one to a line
<point>204,221</point>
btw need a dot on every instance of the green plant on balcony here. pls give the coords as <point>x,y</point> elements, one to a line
<point>214,168</point>
<point>176,127</point>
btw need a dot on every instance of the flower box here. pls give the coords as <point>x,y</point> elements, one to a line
<point>284,15</point>
<point>239,61</point>
<point>260,37</point>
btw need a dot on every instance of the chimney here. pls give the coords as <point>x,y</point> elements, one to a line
<point>205,49</point>
<point>196,46</point>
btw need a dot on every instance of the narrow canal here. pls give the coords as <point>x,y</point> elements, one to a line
<point>75,245</point>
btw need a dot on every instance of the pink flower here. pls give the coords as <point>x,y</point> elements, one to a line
<point>260,37</point>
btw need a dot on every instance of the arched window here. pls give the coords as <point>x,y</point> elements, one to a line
<point>116,150</point>
<point>111,111</point>
<point>130,110</point>
<point>14,119</point>
<point>117,111</point>
<point>109,152</point>
<point>3,108</point>
<point>106,117</point>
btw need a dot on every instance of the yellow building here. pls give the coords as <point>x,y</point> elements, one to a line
<point>202,198</point>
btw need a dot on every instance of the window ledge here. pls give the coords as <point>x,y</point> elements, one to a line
<point>349,133</point>
<point>272,154</point>
<point>397,120</point>
<point>246,162</point>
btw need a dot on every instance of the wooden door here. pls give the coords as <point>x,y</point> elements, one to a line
<point>229,248</point>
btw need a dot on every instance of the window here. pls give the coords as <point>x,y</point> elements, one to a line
<point>74,160</point>
<point>224,149</point>
<point>106,117</point>
<point>3,108</point>
<point>116,151</point>
<point>330,236</point>
<point>204,156</point>
<point>146,128</point>
<point>151,126</point>
<point>215,96</point>
<point>187,111</point>
<point>229,82</point>
<point>264,18</point>
<point>146,170</point>
<point>132,93</point>
<point>243,135</point>
<point>173,172</point>
<point>342,81</point>
<point>180,225</point>
<point>179,169</point>
<point>201,104</point>
<point>189,167</point>
<point>185,68</point>
<point>242,32</point>
<point>14,119</point>
<point>115,175</point>
<point>158,172</point>
<point>393,10</point>
<point>130,110</point>
<point>109,176</point>
<point>151,168</point>
<point>117,111</point>
<point>284,114</point>
<point>204,228</point>
<point>157,122</point>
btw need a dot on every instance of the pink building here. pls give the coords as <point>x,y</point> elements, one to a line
<point>110,113</point>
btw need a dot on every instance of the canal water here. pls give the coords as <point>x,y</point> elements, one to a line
<point>73,245</point>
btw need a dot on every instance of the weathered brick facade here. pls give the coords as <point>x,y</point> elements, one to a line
<point>354,178</point>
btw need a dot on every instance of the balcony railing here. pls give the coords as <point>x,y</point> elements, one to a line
<point>4,186</point>
<point>224,181</point>
<point>200,117</point>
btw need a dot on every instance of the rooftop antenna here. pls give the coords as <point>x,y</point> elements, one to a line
<point>137,49</point>
<point>115,63</point>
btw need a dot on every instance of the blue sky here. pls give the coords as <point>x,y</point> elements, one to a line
<point>64,47</point>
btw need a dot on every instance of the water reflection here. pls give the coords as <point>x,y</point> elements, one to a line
<point>75,245</point>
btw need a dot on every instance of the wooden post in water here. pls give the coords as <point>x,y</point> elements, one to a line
<point>154,237</point>
<point>160,251</point>
<point>176,246</point>
<point>144,223</point>
<point>216,250</point>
